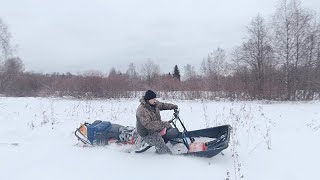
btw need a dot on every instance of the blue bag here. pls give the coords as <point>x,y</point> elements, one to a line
<point>97,131</point>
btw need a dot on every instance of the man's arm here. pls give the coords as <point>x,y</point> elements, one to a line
<point>149,124</point>
<point>166,106</point>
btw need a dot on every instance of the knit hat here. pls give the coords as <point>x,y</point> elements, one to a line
<point>149,95</point>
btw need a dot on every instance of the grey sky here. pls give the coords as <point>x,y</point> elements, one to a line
<point>76,35</point>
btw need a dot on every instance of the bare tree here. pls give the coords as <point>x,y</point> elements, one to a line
<point>189,72</point>
<point>317,68</point>
<point>283,41</point>
<point>214,64</point>
<point>150,71</point>
<point>291,23</point>
<point>256,53</point>
<point>13,66</point>
<point>213,68</point>
<point>12,70</point>
<point>134,81</point>
<point>310,59</point>
<point>132,72</point>
<point>302,19</point>
<point>5,46</point>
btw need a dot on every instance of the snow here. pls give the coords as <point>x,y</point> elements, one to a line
<point>270,140</point>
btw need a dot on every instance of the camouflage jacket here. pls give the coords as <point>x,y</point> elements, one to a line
<point>149,119</point>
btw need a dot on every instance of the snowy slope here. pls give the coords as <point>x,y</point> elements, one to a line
<point>269,141</point>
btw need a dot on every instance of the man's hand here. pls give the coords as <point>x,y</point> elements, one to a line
<point>163,131</point>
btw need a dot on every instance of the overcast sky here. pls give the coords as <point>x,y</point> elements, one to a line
<point>76,36</point>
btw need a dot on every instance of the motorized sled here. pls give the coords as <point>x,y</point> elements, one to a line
<point>206,142</point>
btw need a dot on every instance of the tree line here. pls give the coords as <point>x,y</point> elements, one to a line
<point>279,59</point>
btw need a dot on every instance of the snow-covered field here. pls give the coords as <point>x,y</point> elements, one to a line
<point>269,141</point>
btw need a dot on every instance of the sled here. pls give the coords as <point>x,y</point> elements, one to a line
<point>206,142</point>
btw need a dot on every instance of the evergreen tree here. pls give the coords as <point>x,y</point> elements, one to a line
<point>176,72</point>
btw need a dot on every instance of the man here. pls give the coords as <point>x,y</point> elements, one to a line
<point>149,124</point>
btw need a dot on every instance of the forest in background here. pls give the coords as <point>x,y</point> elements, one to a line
<point>279,59</point>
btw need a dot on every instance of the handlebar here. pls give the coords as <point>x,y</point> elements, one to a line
<point>176,113</point>
<point>185,132</point>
